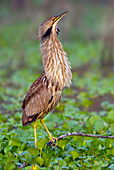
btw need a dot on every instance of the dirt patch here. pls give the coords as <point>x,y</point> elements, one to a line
<point>82,69</point>
<point>96,106</point>
<point>75,95</point>
<point>106,71</point>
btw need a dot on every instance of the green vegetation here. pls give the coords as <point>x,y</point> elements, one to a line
<point>88,104</point>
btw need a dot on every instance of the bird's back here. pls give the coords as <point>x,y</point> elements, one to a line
<point>43,96</point>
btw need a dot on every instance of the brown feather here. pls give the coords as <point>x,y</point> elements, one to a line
<point>40,97</point>
<point>45,93</point>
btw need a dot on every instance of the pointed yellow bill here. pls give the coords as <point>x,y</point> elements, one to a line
<point>58,17</point>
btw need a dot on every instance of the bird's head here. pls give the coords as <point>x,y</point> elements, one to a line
<point>49,26</point>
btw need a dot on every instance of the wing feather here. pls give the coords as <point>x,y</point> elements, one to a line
<point>37,98</point>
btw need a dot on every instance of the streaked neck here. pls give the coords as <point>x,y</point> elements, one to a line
<point>55,62</point>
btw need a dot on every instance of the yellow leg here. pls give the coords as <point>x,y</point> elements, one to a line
<point>35,134</point>
<point>35,129</point>
<point>50,137</point>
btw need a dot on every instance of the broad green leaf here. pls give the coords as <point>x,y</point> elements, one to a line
<point>61,162</point>
<point>65,125</point>
<point>96,168</point>
<point>7,148</point>
<point>2,137</point>
<point>111,167</point>
<point>9,166</point>
<point>57,168</point>
<point>15,142</point>
<point>74,154</point>
<point>42,143</point>
<point>72,164</point>
<point>33,151</point>
<point>112,151</point>
<point>47,155</point>
<point>94,119</point>
<point>110,115</point>
<point>40,161</point>
<point>111,129</point>
<point>77,138</point>
<point>28,156</point>
<point>99,125</point>
<point>63,142</point>
<point>10,158</point>
<point>87,103</point>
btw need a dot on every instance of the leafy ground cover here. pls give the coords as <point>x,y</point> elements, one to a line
<point>88,104</point>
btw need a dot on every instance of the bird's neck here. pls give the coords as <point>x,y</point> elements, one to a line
<point>55,62</point>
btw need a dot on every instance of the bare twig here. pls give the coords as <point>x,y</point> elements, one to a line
<point>23,165</point>
<point>80,134</point>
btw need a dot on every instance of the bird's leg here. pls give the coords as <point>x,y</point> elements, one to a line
<point>50,137</point>
<point>35,129</point>
<point>35,134</point>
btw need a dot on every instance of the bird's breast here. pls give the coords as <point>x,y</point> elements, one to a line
<point>56,64</point>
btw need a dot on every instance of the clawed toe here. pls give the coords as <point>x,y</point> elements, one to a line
<point>53,139</point>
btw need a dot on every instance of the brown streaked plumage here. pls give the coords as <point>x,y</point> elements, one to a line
<point>45,93</point>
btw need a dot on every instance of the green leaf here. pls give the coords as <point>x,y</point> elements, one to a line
<point>94,119</point>
<point>15,142</point>
<point>7,148</point>
<point>28,156</point>
<point>99,125</point>
<point>42,143</point>
<point>40,161</point>
<point>111,129</point>
<point>57,168</point>
<point>61,162</point>
<point>111,167</point>
<point>112,151</point>
<point>63,142</point>
<point>96,168</point>
<point>47,155</point>
<point>2,137</point>
<point>87,103</point>
<point>110,115</point>
<point>33,151</point>
<point>10,158</point>
<point>74,154</point>
<point>9,166</point>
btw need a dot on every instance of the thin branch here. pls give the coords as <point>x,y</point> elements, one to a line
<point>79,134</point>
<point>23,165</point>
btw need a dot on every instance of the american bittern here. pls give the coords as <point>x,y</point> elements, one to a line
<point>45,93</point>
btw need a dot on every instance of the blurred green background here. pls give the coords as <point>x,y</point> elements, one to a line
<point>88,22</point>
<point>87,35</point>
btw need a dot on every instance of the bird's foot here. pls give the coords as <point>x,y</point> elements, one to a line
<point>53,139</point>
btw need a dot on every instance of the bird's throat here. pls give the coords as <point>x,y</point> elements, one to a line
<point>55,62</point>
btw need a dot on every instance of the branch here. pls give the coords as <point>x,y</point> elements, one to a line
<point>79,134</point>
<point>23,165</point>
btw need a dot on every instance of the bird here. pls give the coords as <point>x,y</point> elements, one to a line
<point>46,91</point>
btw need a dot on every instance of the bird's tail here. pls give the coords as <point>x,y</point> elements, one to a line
<point>27,120</point>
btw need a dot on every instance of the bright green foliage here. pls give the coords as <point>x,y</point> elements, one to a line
<point>88,104</point>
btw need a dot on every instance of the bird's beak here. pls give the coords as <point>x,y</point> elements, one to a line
<point>58,17</point>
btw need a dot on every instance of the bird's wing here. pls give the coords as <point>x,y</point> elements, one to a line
<point>37,98</point>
